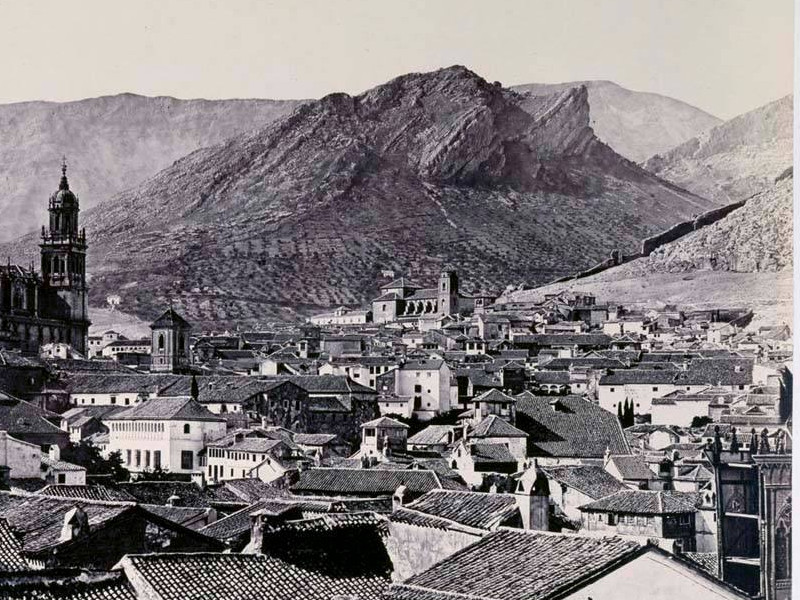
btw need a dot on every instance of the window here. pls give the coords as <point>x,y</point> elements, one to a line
<point>138,458</point>
<point>187,429</point>
<point>417,389</point>
<point>655,388</point>
<point>62,478</point>
<point>369,432</point>
<point>610,389</point>
<point>160,341</point>
<point>683,519</point>
<point>128,456</point>
<point>187,461</point>
<point>147,458</point>
<point>127,401</point>
<point>741,387</point>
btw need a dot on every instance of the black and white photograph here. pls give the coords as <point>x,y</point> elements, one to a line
<point>397,299</point>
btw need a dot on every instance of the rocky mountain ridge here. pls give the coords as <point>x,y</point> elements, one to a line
<point>734,160</point>
<point>111,143</point>
<point>426,171</point>
<point>637,125</point>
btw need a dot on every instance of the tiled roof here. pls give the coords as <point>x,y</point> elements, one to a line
<point>432,434</point>
<point>432,364</point>
<point>314,439</point>
<point>10,550</point>
<point>494,426</point>
<point>707,561</point>
<point>474,509</point>
<point>60,465</point>
<point>365,481</point>
<point>330,384</point>
<point>591,480</point>
<point>639,377</point>
<point>87,492</point>
<point>632,467</point>
<point>585,361</point>
<point>40,518</point>
<point>495,396</point>
<point>400,283</point>
<point>513,564</point>
<point>238,523</point>
<point>64,586</point>
<point>385,422</point>
<point>333,521</point>
<point>245,577</point>
<point>565,339</point>
<point>18,417</point>
<point>572,427</point>
<point>249,444</point>
<point>643,502</point>
<point>179,409</point>
<point>158,492</point>
<point>176,514</point>
<point>491,454</point>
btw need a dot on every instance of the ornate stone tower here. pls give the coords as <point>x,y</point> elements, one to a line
<point>63,251</point>
<point>448,293</point>
<point>170,351</point>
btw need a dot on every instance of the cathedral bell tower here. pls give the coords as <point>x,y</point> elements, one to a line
<point>63,251</point>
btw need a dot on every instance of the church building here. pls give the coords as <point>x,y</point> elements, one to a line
<point>51,305</point>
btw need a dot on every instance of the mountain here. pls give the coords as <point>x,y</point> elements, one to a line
<point>111,144</point>
<point>635,124</point>
<point>742,260</point>
<point>733,160</point>
<point>426,171</point>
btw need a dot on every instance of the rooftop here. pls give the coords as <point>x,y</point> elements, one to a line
<point>644,502</point>
<point>474,509</point>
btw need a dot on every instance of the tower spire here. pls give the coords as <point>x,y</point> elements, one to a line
<point>64,185</point>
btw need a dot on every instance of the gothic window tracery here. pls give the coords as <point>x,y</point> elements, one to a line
<point>783,542</point>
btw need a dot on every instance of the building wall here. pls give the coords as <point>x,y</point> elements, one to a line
<point>414,549</point>
<point>104,399</point>
<point>167,437</point>
<point>24,459</point>
<point>433,391</point>
<point>680,413</point>
<point>655,577</point>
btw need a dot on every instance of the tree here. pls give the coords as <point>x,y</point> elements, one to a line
<point>701,421</point>
<point>620,415</point>
<point>87,455</point>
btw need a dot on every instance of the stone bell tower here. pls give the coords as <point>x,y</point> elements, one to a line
<point>448,293</point>
<point>63,254</point>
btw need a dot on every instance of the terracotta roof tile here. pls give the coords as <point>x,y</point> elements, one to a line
<point>474,509</point>
<point>644,502</point>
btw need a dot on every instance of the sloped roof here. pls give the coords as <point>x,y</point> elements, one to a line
<point>591,480</point>
<point>474,509</point>
<point>494,426</point>
<point>173,409</point>
<point>632,467</point>
<point>564,339</point>
<point>365,481</point>
<point>643,502</point>
<point>510,564</point>
<point>402,282</point>
<point>20,418</point>
<point>571,427</point>
<point>238,523</point>
<point>244,577</point>
<point>87,492</point>
<point>10,550</point>
<point>495,395</point>
<point>491,454</point>
<point>170,319</point>
<point>329,384</point>
<point>385,422</point>
<point>432,434</point>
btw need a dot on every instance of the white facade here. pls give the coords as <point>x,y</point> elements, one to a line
<point>173,445</point>
<point>427,385</point>
<point>364,374</point>
<point>342,316</point>
<point>105,399</point>
<point>24,459</point>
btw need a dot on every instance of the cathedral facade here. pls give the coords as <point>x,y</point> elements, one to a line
<point>50,305</point>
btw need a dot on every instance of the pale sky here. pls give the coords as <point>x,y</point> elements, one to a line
<point>724,56</point>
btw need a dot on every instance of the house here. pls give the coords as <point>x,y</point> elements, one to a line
<point>494,403</point>
<point>28,423</point>
<point>668,518</point>
<point>62,472</point>
<point>572,486</point>
<point>342,316</point>
<point>495,430</point>
<point>427,382</point>
<point>165,433</point>
<point>681,407</point>
<point>434,438</point>
<point>475,460</point>
<point>381,437</point>
<point>441,522</point>
<point>568,429</point>
<point>22,458</point>
<point>245,454</point>
<point>509,564</point>
<point>363,369</point>
<point>114,349</point>
<point>632,470</point>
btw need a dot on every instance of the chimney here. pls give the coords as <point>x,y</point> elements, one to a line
<point>76,524</point>
<point>397,497</point>
<point>54,452</point>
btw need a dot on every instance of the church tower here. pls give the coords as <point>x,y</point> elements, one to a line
<point>170,349</point>
<point>63,251</point>
<point>448,293</point>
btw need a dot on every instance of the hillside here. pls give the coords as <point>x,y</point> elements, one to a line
<point>425,171</point>
<point>734,160</point>
<point>745,259</point>
<point>111,144</point>
<point>635,124</point>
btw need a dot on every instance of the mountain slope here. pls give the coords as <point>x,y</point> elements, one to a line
<point>111,144</point>
<point>734,160</point>
<point>744,259</point>
<point>637,125</point>
<point>425,171</point>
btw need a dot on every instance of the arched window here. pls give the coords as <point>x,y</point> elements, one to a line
<point>186,428</point>
<point>180,342</point>
<point>160,341</point>
<point>783,544</point>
